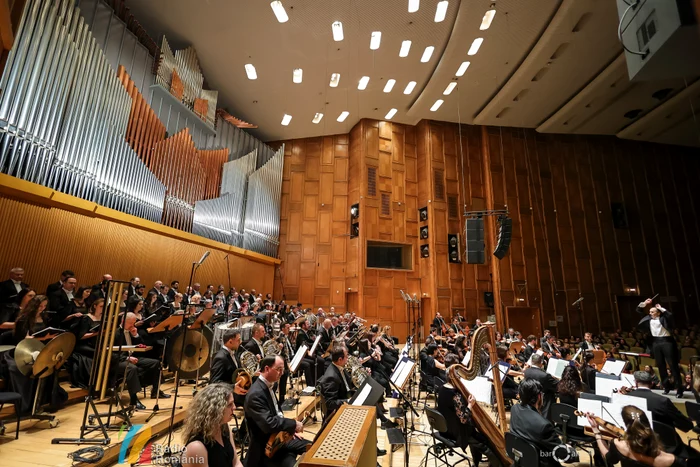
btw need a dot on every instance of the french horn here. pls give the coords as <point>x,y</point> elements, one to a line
<point>358,373</point>
<point>243,376</point>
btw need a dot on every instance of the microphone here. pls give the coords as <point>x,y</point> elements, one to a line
<point>204,256</point>
<point>577,301</point>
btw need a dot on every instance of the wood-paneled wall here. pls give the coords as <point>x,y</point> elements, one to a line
<point>558,189</point>
<point>45,240</point>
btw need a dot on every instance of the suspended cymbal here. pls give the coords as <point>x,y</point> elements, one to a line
<point>195,354</point>
<point>54,354</point>
<point>25,354</point>
<point>300,319</point>
<point>5,348</point>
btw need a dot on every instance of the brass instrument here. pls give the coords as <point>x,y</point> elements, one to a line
<point>249,365</point>
<point>271,347</point>
<point>358,336</point>
<point>358,373</point>
<point>334,342</point>
<point>493,430</point>
<point>279,439</point>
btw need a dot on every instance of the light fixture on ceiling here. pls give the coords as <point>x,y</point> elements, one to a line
<point>344,114</point>
<point>436,105</point>
<point>462,69</point>
<point>375,40</point>
<point>317,118</point>
<point>488,18</point>
<point>390,114</point>
<point>286,119</point>
<point>389,85</point>
<point>405,48</point>
<point>362,85</point>
<point>279,11</point>
<point>413,5</point>
<point>297,75</point>
<point>409,87</point>
<point>475,46</point>
<point>441,11</point>
<point>250,71</point>
<point>335,79</point>
<point>450,87</point>
<point>337,31</point>
<point>427,53</point>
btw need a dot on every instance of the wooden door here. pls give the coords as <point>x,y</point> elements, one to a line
<point>352,303</point>
<point>524,319</point>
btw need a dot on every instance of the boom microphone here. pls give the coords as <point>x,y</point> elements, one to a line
<point>204,256</point>
<point>577,301</point>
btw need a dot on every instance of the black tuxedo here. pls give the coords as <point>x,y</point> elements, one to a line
<point>314,365</point>
<point>130,290</point>
<point>663,410</point>
<point>333,389</point>
<point>529,424</point>
<point>223,365</point>
<point>171,294</point>
<point>588,377</point>
<point>527,352</point>
<point>663,349</point>
<point>326,339</point>
<point>262,420</point>
<point>584,346</point>
<point>53,288</point>
<point>549,387</point>
<point>8,300</point>
<point>252,347</point>
<point>61,304</point>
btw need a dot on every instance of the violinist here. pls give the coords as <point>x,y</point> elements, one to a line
<point>461,347</point>
<point>510,387</point>
<point>433,369</point>
<point>529,349</point>
<point>432,337</point>
<point>456,326</point>
<point>439,324</point>
<point>550,347</point>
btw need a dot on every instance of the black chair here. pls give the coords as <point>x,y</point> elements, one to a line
<point>15,399</point>
<point>693,411</point>
<point>522,452</point>
<point>442,447</point>
<point>668,437</point>
<point>429,385</point>
<point>566,424</point>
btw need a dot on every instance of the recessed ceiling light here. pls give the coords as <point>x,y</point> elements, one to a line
<point>389,85</point>
<point>441,11</point>
<point>462,69</point>
<point>337,31</point>
<point>427,53</point>
<point>390,114</point>
<point>335,79</point>
<point>297,75</point>
<point>405,48</point>
<point>343,116</point>
<point>279,11</point>
<point>375,40</point>
<point>286,119</point>
<point>317,117</point>
<point>250,71</point>
<point>450,87</point>
<point>413,5</point>
<point>436,105</point>
<point>488,18</point>
<point>409,87</point>
<point>475,46</point>
<point>362,85</point>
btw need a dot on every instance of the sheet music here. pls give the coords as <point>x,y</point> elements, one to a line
<point>539,352</point>
<point>466,358</point>
<point>614,367</point>
<point>503,369</point>
<point>480,388</point>
<point>403,372</point>
<point>362,396</point>
<point>397,369</point>
<point>624,399</point>
<point>589,406</point>
<point>612,413</point>
<point>605,386</point>
<point>313,347</point>
<point>555,367</point>
<point>628,379</point>
<point>297,358</point>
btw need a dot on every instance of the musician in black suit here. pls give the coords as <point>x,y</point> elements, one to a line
<point>547,382</point>
<point>438,322</point>
<point>316,364</point>
<point>661,408</point>
<point>174,286</point>
<point>587,343</point>
<point>527,423</point>
<point>660,325</point>
<point>226,362</point>
<point>588,371</point>
<point>99,290</point>
<point>61,302</point>
<point>550,347</point>
<point>529,349</point>
<point>133,286</point>
<point>326,335</point>
<point>264,418</point>
<point>56,286</point>
<point>9,290</point>
<point>254,345</point>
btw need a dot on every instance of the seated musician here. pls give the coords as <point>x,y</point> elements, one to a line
<point>550,347</point>
<point>587,343</point>
<point>461,347</point>
<point>148,368</point>
<point>548,383</point>
<point>316,363</point>
<point>206,434</point>
<point>254,345</point>
<point>529,349</point>
<point>588,371</point>
<point>432,337</point>
<point>371,360</point>
<point>431,367</point>
<point>264,418</point>
<point>460,426</point>
<point>336,389</point>
<point>639,447</point>
<point>226,362</point>
<point>527,423</point>
<point>326,335</point>
<point>510,387</point>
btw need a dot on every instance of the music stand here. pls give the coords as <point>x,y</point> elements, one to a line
<point>403,371</point>
<point>405,431</point>
<point>294,366</point>
<point>369,393</point>
<point>202,318</point>
<point>169,324</point>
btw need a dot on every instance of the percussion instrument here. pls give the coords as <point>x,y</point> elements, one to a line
<point>32,356</point>
<point>195,354</point>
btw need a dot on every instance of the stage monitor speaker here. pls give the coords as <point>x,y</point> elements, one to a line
<point>488,299</point>
<point>453,248</point>
<point>355,211</point>
<point>505,231</point>
<point>474,235</point>
<point>424,251</point>
<point>423,214</point>
<point>619,216</point>
<point>424,232</point>
<point>354,229</point>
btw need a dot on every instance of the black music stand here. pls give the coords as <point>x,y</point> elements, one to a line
<point>168,325</point>
<point>406,432</point>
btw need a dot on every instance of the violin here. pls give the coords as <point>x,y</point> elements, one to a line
<point>440,356</point>
<point>606,428</point>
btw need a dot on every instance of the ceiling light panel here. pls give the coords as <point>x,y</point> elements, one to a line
<point>441,11</point>
<point>335,79</point>
<point>413,5</point>
<point>362,85</point>
<point>475,46</point>
<point>427,53</point>
<point>375,40</point>
<point>409,87</point>
<point>488,18</point>
<point>279,11</point>
<point>436,105</point>
<point>389,85</point>
<point>405,49</point>
<point>450,87</point>
<point>250,71</point>
<point>343,116</point>
<point>286,119</point>
<point>390,114</point>
<point>297,75</point>
<point>462,69</point>
<point>317,118</point>
<point>337,31</point>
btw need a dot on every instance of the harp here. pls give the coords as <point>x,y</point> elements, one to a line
<point>489,420</point>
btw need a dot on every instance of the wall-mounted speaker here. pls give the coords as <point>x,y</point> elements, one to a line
<point>505,231</point>
<point>619,216</point>
<point>453,248</point>
<point>474,235</point>
<point>423,214</point>
<point>354,230</point>
<point>355,212</point>
<point>488,299</point>
<point>424,232</point>
<point>424,251</point>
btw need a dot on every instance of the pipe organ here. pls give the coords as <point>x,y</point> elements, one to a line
<point>222,219</point>
<point>70,122</point>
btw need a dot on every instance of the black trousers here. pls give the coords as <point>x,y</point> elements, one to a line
<point>287,455</point>
<point>665,350</point>
<point>283,385</point>
<point>130,373</point>
<point>315,370</point>
<point>149,372</point>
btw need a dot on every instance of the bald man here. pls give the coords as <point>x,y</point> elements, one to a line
<point>9,290</point>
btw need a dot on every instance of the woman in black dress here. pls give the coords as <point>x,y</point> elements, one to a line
<point>570,386</point>
<point>207,436</point>
<point>80,361</point>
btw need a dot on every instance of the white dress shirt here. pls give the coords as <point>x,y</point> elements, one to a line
<point>657,330</point>
<point>18,285</point>
<point>272,394</point>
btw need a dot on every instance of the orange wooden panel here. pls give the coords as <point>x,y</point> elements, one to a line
<point>307,270</point>
<point>386,291</point>
<point>338,249</point>
<point>370,306</point>
<point>310,207</point>
<point>308,248</point>
<point>313,167</point>
<point>326,186</point>
<point>297,187</point>
<point>324,226</point>
<point>338,292</point>
<point>306,292</point>
<point>323,271</point>
<point>341,170</point>
<point>328,155</point>
<point>294,226</point>
<point>291,268</point>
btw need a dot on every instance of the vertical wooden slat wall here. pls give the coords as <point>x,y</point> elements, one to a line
<point>559,190</point>
<point>45,241</point>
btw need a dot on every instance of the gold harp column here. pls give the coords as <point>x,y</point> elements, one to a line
<point>490,231</point>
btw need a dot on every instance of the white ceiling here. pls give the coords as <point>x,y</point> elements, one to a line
<point>553,65</point>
